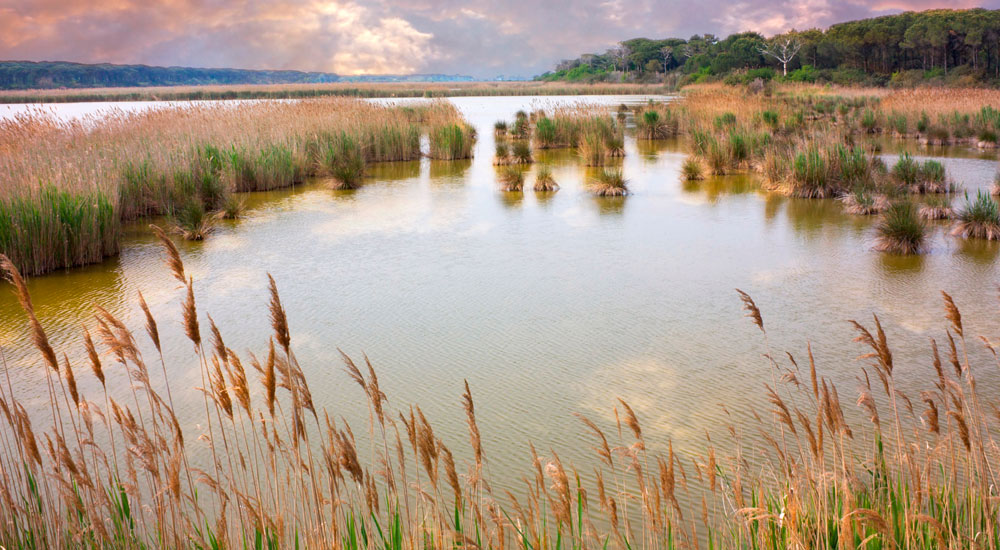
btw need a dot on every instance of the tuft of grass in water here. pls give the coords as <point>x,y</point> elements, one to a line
<point>502,155</point>
<point>546,133</point>
<point>692,170</point>
<point>936,207</point>
<point>979,218</point>
<point>192,221</point>
<point>511,179</point>
<point>343,160</point>
<point>233,207</point>
<point>609,182</point>
<point>521,153</point>
<point>500,128</point>
<point>544,182</point>
<point>862,202</point>
<point>900,230</point>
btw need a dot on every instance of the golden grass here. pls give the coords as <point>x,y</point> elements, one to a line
<point>284,472</point>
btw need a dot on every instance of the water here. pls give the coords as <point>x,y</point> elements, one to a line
<point>547,305</point>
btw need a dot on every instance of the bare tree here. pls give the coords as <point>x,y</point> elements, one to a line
<point>615,54</point>
<point>620,53</point>
<point>667,52</point>
<point>782,50</point>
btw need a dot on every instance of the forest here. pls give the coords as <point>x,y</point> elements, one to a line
<point>30,75</point>
<point>955,47</point>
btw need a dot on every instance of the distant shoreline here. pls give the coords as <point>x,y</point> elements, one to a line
<point>305,91</point>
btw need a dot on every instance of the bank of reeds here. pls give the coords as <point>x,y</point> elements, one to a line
<point>280,470</point>
<point>68,185</point>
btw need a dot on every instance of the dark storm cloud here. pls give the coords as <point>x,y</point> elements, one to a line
<point>477,37</point>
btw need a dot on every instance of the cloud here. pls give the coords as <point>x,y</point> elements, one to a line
<point>478,37</point>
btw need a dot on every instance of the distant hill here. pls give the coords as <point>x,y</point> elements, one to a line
<point>26,75</point>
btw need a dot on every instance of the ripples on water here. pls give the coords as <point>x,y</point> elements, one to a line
<point>548,304</point>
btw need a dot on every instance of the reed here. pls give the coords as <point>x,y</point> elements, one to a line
<point>521,153</point>
<point>544,182</point>
<point>979,218</point>
<point>609,182</point>
<point>692,170</point>
<point>900,231</point>
<point>69,184</point>
<point>864,203</point>
<point>915,474</point>
<point>936,207</point>
<point>511,179</point>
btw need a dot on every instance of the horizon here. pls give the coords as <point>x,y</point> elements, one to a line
<point>482,40</point>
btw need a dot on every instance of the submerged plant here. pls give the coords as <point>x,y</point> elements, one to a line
<point>900,231</point>
<point>978,219</point>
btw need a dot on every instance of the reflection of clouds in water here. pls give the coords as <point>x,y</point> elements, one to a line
<point>645,384</point>
<point>778,275</point>
<point>390,214</point>
<point>577,216</point>
<point>692,199</point>
<point>236,280</point>
<point>479,228</point>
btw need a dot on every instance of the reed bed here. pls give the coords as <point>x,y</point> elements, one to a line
<point>283,472</point>
<point>70,184</point>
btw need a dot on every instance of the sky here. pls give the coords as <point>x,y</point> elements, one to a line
<point>481,38</point>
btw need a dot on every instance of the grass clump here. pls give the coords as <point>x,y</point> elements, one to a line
<point>344,161</point>
<point>502,155</point>
<point>936,207</point>
<point>979,218</point>
<point>863,202</point>
<point>192,221</point>
<point>901,231</point>
<point>521,153</point>
<point>544,182</point>
<point>511,179</point>
<point>609,182</point>
<point>500,128</point>
<point>692,170</point>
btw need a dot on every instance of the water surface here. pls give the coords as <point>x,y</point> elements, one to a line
<point>547,304</point>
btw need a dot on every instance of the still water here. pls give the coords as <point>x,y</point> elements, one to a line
<point>547,304</point>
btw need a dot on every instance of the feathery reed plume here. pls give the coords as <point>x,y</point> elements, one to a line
<point>38,336</point>
<point>279,322</point>
<point>190,314</point>
<point>751,308</point>
<point>173,256</point>
<point>474,438</point>
<point>151,329</point>
<point>95,359</point>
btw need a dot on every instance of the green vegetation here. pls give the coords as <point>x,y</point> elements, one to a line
<point>609,182</point>
<point>511,179</point>
<point>901,231</point>
<point>544,182</point>
<point>941,46</point>
<point>452,141</point>
<point>978,219</point>
<point>692,170</point>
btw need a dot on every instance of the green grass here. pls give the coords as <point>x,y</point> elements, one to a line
<point>452,141</point>
<point>901,230</point>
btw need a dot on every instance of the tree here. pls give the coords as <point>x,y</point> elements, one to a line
<point>784,50</point>
<point>668,52</point>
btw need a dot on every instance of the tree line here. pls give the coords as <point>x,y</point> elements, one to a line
<point>949,46</point>
<point>30,75</point>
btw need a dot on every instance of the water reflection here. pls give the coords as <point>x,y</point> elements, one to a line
<point>393,171</point>
<point>610,206</point>
<point>511,199</point>
<point>981,251</point>
<point>449,171</point>
<point>900,264</point>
